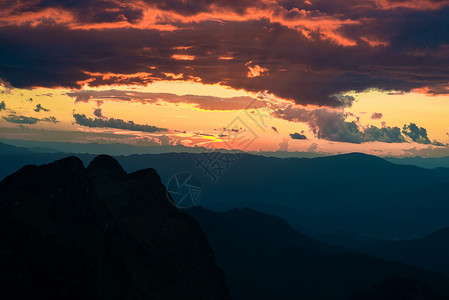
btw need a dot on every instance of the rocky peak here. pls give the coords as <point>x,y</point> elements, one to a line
<point>105,167</point>
<point>116,237</point>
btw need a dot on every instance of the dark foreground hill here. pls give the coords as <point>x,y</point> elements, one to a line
<point>71,233</point>
<point>264,258</point>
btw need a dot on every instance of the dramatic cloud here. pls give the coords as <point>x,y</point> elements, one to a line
<point>311,52</point>
<point>28,120</point>
<point>298,136</point>
<point>324,123</point>
<point>203,102</point>
<point>384,134</point>
<point>20,119</point>
<point>81,119</point>
<point>82,11</point>
<point>332,125</point>
<point>2,105</point>
<point>39,108</point>
<point>416,134</point>
<point>377,116</point>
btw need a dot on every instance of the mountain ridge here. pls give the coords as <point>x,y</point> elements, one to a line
<point>62,241</point>
<point>283,264</point>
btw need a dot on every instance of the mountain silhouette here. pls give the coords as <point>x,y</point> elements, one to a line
<point>264,258</point>
<point>356,193</point>
<point>9,149</point>
<point>396,288</point>
<point>429,252</point>
<point>424,162</point>
<point>63,239</point>
<point>350,192</point>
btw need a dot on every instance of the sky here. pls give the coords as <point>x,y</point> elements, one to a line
<point>325,76</point>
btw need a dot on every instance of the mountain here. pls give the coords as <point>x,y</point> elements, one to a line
<point>396,288</point>
<point>98,148</point>
<point>355,193</point>
<point>316,195</point>
<point>64,239</point>
<point>264,258</point>
<point>264,228</point>
<point>9,149</point>
<point>426,206</point>
<point>429,252</point>
<point>423,162</point>
<point>14,160</point>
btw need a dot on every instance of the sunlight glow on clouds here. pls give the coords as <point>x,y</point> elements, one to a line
<point>371,75</point>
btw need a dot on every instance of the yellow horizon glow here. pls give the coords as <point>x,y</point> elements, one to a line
<point>425,111</point>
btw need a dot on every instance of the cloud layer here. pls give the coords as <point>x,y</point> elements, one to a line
<point>203,102</point>
<point>103,122</point>
<point>13,118</point>
<point>333,125</point>
<point>310,52</point>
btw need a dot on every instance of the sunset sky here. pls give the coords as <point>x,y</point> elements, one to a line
<point>326,76</point>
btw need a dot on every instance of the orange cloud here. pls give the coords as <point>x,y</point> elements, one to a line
<point>100,79</point>
<point>174,76</point>
<point>255,71</point>
<point>303,21</point>
<point>183,57</point>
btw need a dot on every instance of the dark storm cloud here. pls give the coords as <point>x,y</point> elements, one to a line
<point>324,123</point>
<point>333,125</point>
<point>193,7</point>
<point>88,11</point>
<point>81,119</point>
<point>396,46</point>
<point>127,10</point>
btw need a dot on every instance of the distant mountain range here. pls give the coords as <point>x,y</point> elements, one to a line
<point>70,232</point>
<point>430,252</point>
<point>427,162</point>
<point>97,148</point>
<point>264,258</point>
<point>354,193</point>
<point>6,149</point>
<point>351,192</point>
<point>117,149</point>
